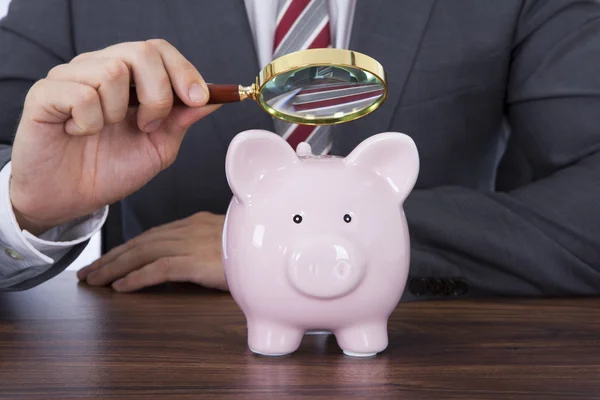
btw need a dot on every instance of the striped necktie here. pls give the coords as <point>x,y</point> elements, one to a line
<point>302,24</point>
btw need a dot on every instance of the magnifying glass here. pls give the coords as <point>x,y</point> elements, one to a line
<point>310,87</point>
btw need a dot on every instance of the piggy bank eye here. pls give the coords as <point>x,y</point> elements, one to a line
<point>347,218</point>
<point>297,218</point>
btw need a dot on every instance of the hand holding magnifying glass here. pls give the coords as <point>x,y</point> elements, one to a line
<point>312,87</point>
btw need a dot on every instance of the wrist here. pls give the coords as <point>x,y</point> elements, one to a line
<point>34,226</point>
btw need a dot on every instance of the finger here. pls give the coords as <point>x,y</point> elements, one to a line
<point>156,234</point>
<point>153,86</point>
<point>133,259</point>
<point>185,78</point>
<point>75,104</point>
<point>171,230</point>
<point>167,269</point>
<point>112,255</point>
<point>137,257</point>
<point>110,77</point>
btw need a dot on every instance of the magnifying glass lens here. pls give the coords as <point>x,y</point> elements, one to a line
<point>318,94</point>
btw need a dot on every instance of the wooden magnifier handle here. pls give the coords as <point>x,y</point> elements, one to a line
<point>219,94</point>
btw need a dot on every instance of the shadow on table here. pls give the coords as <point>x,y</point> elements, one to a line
<point>319,366</point>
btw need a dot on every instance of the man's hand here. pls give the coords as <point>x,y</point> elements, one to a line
<point>79,146</point>
<point>187,250</point>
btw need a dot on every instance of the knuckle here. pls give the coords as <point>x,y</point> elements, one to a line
<point>87,55</point>
<point>55,71</point>
<point>145,49</point>
<point>81,57</point>
<point>161,101</point>
<point>78,57</point>
<point>199,217</point>
<point>164,85</point>
<point>160,97</point>
<point>128,247</point>
<point>164,263</point>
<point>165,268</point>
<point>159,42</point>
<point>37,89</point>
<point>87,96</point>
<point>115,69</point>
<point>149,231</point>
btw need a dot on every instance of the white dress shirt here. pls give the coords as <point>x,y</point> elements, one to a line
<point>20,249</point>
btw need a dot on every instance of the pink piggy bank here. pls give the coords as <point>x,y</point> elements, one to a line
<point>317,242</point>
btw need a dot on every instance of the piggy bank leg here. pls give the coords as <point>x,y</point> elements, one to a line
<point>363,340</point>
<point>271,339</point>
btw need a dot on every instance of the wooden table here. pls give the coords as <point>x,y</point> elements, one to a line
<point>64,340</point>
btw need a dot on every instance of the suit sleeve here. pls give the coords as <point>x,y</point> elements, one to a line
<point>34,37</point>
<point>542,238</point>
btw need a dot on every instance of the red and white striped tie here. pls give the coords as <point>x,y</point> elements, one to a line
<point>302,24</point>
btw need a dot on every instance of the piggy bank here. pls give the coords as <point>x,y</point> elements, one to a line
<point>317,243</point>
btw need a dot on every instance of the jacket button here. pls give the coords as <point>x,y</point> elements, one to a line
<point>436,286</point>
<point>449,287</point>
<point>418,286</point>
<point>13,254</point>
<point>460,288</point>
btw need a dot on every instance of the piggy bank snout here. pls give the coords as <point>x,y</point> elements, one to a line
<point>326,267</point>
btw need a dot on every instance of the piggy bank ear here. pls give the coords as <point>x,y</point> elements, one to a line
<point>255,157</point>
<point>391,155</point>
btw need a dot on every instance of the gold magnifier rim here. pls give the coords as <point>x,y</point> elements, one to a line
<point>312,58</point>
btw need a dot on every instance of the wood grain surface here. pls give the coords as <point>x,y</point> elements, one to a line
<point>65,340</point>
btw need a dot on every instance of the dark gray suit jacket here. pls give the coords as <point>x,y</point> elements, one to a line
<point>502,98</point>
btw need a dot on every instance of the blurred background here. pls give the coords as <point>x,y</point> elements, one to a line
<point>92,251</point>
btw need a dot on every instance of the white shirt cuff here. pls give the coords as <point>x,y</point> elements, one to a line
<point>19,249</point>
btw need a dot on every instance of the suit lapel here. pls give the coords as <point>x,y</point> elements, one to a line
<point>216,37</point>
<point>391,33</point>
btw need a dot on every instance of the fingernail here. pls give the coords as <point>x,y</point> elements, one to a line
<point>153,126</point>
<point>118,284</point>
<point>197,93</point>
